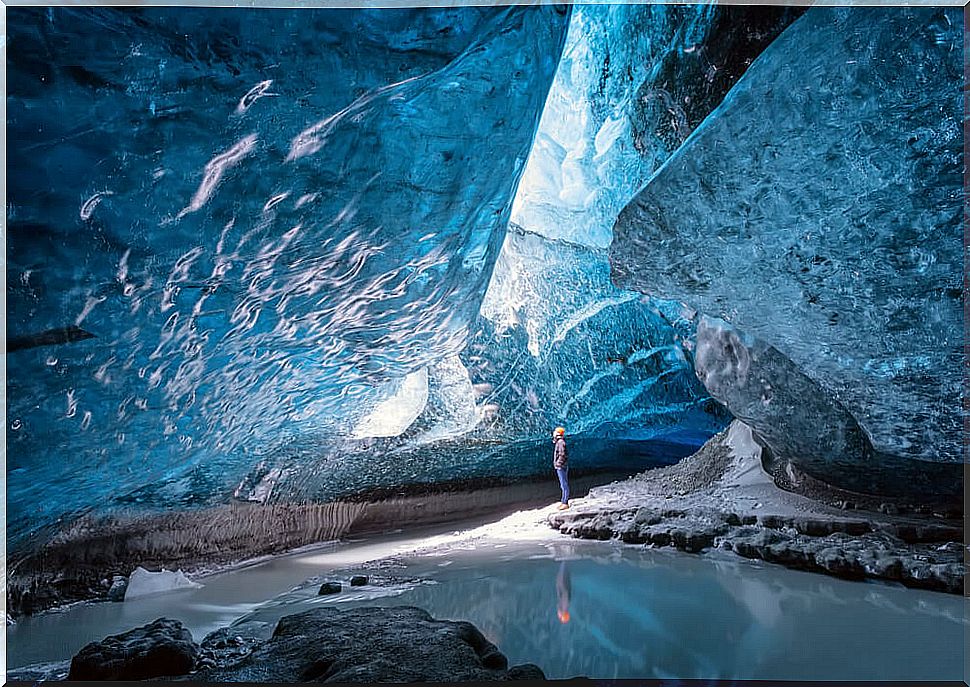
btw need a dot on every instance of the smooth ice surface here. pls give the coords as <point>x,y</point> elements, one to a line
<point>247,225</point>
<point>819,209</point>
<point>143,582</point>
<point>588,608</point>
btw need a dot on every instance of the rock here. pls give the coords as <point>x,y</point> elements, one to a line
<point>224,647</point>
<point>840,563</point>
<point>645,516</point>
<point>526,671</point>
<point>329,588</point>
<point>358,580</point>
<point>163,648</point>
<point>919,553</point>
<point>396,644</point>
<point>889,508</point>
<point>119,585</point>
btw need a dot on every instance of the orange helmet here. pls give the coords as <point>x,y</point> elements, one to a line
<point>559,432</point>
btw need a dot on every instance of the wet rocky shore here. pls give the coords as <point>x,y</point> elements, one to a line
<point>721,497</point>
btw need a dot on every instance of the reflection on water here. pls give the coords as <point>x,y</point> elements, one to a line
<point>612,611</point>
<point>563,590</point>
<point>589,608</point>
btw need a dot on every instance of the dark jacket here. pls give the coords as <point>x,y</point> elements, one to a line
<point>559,457</point>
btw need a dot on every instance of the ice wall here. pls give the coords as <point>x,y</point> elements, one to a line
<point>241,226</point>
<point>809,431</point>
<point>559,343</point>
<point>819,209</point>
<point>634,81</point>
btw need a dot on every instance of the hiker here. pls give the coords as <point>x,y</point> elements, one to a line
<point>559,460</point>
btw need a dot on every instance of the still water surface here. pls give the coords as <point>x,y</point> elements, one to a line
<point>597,609</point>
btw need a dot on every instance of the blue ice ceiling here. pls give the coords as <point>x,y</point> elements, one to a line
<point>286,254</point>
<point>819,209</point>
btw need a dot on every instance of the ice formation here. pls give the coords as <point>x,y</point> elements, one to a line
<point>819,209</point>
<point>633,83</point>
<point>262,220</point>
<point>280,255</point>
<point>805,427</point>
<point>147,583</point>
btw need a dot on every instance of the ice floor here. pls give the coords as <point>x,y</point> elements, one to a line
<point>597,609</point>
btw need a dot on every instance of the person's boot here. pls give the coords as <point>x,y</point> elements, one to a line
<point>563,506</point>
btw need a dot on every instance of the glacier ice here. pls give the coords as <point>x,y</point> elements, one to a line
<point>807,430</point>
<point>265,218</point>
<point>264,253</point>
<point>395,414</point>
<point>819,210</point>
<point>147,583</point>
<point>558,344</point>
<point>633,82</point>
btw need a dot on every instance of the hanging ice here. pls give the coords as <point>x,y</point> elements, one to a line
<point>819,209</point>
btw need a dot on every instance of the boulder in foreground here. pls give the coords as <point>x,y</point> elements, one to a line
<point>398,644</point>
<point>163,648</point>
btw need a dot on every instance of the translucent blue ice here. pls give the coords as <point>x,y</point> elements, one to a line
<point>265,218</point>
<point>819,209</point>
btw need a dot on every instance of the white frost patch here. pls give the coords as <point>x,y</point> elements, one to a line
<point>145,583</point>
<point>395,414</point>
<point>741,441</point>
<point>747,469</point>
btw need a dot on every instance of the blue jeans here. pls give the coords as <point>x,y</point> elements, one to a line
<point>564,483</point>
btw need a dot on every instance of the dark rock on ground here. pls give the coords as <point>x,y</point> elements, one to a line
<point>358,580</point>
<point>224,647</point>
<point>721,497</point>
<point>371,645</point>
<point>329,588</point>
<point>526,671</point>
<point>163,648</point>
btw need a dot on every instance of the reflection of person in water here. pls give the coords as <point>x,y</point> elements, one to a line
<point>562,591</point>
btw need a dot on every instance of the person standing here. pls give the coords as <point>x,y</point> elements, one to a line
<point>560,461</point>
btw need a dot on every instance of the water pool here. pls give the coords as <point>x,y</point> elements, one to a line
<point>580,608</point>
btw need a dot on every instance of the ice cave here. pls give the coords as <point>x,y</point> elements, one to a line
<point>297,298</point>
